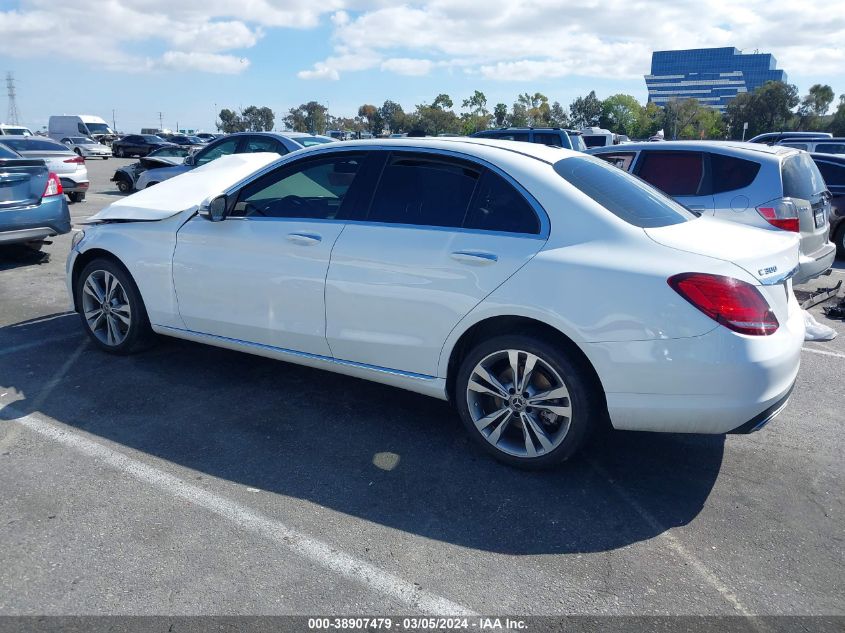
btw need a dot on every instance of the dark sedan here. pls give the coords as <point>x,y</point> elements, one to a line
<point>832,167</point>
<point>138,145</point>
<point>186,140</point>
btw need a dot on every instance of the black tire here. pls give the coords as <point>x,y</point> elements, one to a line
<point>150,184</point>
<point>123,185</point>
<point>139,335</point>
<point>588,411</point>
<point>840,241</point>
<point>76,196</point>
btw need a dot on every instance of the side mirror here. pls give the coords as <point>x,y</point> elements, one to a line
<point>189,160</point>
<point>214,209</point>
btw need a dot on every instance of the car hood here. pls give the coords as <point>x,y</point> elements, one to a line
<point>187,191</point>
<point>157,162</point>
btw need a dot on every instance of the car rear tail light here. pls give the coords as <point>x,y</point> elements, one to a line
<point>54,186</point>
<point>737,305</point>
<point>781,213</point>
<point>76,159</point>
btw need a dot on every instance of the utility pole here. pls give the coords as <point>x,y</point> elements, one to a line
<point>160,124</point>
<point>13,116</point>
<point>113,124</point>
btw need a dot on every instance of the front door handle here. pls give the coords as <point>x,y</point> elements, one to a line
<point>304,239</point>
<point>475,257</point>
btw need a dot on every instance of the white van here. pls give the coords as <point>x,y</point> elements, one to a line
<point>598,137</point>
<point>16,130</point>
<point>79,125</point>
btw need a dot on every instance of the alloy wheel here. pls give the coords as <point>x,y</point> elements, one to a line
<point>106,308</point>
<point>519,403</point>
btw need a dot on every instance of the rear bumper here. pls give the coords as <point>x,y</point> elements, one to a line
<point>813,265</point>
<point>720,382</point>
<point>27,224</point>
<point>73,186</point>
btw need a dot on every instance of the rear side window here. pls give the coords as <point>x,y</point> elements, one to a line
<point>675,173</point>
<point>223,148</point>
<point>595,140</point>
<point>833,174</point>
<point>801,177</point>
<point>545,138</point>
<point>731,173</point>
<point>498,206</point>
<point>423,191</point>
<point>623,195</point>
<point>622,160</point>
<point>803,146</point>
<point>263,144</point>
<point>830,148</point>
<point>577,142</point>
<point>509,136</point>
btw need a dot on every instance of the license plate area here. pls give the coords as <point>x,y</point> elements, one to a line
<point>818,217</point>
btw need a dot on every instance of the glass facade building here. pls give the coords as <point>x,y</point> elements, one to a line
<point>714,76</point>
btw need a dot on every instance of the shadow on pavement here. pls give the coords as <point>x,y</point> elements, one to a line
<point>335,441</point>
<point>18,255</point>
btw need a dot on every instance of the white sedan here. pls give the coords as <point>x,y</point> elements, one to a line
<point>540,290</point>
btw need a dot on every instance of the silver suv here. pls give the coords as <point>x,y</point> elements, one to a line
<point>777,188</point>
<point>818,145</point>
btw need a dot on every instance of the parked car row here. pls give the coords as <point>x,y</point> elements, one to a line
<point>542,292</point>
<point>66,164</point>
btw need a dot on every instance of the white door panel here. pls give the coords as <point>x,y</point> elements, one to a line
<point>256,279</point>
<point>394,293</point>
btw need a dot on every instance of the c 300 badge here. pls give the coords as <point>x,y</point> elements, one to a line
<point>767,271</point>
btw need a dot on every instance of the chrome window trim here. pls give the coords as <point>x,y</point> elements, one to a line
<point>545,222</point>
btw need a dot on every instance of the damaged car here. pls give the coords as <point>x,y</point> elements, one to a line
<point>127,176</point>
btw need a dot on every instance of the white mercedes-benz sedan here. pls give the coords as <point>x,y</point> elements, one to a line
<point>540,290</point>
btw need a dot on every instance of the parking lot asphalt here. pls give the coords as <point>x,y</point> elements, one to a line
<point>194,480</point>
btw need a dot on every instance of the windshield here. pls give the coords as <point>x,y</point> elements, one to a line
<point>149,138</point>
<point>34,145</point>
<point>625,196</point>
<point>801,177</point>
<point>171,151</point>
<point>98,128</point>
<point>577,143</point>
<point>22,131</point>
<point>81,140</point>
<point>194,139</point>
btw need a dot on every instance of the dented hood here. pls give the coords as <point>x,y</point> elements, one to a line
<point>187,191</point>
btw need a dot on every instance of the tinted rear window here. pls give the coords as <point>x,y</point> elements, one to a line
<point>622,160</point>
<point>497,206</point>
<point>731,173</point>
<point>830,148</point>
<point>5,152</point>
<point>547,138</point>
<point>801,177</point>
<point>32,145</point>
<point>423,191</point>
<point>623,195</point>
<point>674,173</point>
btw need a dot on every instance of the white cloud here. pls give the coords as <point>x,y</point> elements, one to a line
<point>203,62</point>
<point>407,66</point>
<point>514,40</point>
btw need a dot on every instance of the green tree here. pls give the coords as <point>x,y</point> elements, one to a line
<point>477,103</point>
<point>621,114</point>
<point>500,114</point>
<point>392,116</point>
<point>258,119</point>
<point>375,122</point>
<point>519,116</point>
<point>478,117</point>
<point>767,109</point>
<point>537,109</point>
<point>437,118</point>
<point>814,106</point>
<point>558,116</point>
<point>442,101</point>
<point>586,111</point>
<point>308,117</point>
<point>837,125</point>
<point>230,121</point>
<point>651,119</point>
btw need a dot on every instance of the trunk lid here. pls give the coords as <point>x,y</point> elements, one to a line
<point>55,160</point>
<point>768,255</point>
<point>804,185</point>
<point>22,181</point>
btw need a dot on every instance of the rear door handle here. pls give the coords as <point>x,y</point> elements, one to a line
<point>305,239</point>
<point>475,257</point>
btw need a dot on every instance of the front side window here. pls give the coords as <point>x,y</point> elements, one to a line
<point>315,189</point>
<point>498,206</point>
<point>675,173</point>
<point>546,138</point>
<point>80,127</point>
<point>802,146</point>
<point>623,195</point>
<point>424,191</point>
<point>622,160</point>
<point>223,148</point>
<point>730,174</point>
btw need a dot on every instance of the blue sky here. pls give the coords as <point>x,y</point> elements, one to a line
<point>144,57</point>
